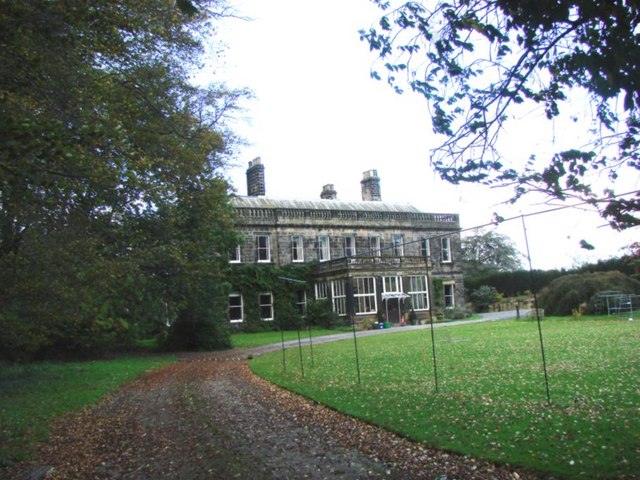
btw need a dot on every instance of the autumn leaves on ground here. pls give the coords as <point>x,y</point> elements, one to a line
<point>209,417</point>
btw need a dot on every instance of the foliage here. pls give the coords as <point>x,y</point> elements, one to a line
<point>456,313</point>
<point>491,400</point>
<point>31,396</point>
<point>566,293</point>
<point>283,282</point>
<point>487,252</point>
<point>321,314</point>
<point>483,297</point>
<point>480,63</point>
<point>108,154</point>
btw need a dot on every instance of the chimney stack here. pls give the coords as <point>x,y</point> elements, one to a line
<point>328,192</point>
<point>370,184</point>
<point>255,178</point>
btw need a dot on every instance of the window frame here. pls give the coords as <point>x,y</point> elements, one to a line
<point>397,246</point>
<point>321,291</point>
<point>350,246</point>
<point>375,246</point>
<point>451,295</point>
<point>263,249</point>
<point>262,306</point>
<point>421,291</point>
<point>239,319</point>
<point>364,295</point>
<point>324,248</point>
<point>425,248</point>
<point>339,297</point>
<point>235,254</point>
<point>396,280</point>
<point>297,248</point>
<point>445,248</point>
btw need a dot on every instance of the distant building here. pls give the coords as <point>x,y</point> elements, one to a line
<point>371,259</point>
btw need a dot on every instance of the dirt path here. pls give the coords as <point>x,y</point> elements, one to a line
<point>209,417</point>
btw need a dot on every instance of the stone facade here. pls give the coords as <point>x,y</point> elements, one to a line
<point>373,260</point>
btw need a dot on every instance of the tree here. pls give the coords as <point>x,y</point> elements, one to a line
<point>106,150</point>
<point>477,61</point>
<point>489,252</point>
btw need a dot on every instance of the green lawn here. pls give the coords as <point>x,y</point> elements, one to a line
<point>492,399</point>
<point>32,395</point>
<point>244,340</point>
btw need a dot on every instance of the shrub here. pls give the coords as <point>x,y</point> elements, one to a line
<point>483,297</point>
<point>320,313</point>
<point>566,293</point>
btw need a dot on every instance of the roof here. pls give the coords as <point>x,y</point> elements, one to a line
<point>267,202</point>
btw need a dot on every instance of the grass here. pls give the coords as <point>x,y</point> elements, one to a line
<point>32,395</point>
<point>247,340</point>
<point>491,400</point>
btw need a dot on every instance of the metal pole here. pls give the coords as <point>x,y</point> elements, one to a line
<point>311,345</point>
<point>535,306</point>
<point>433,338</point>
<point>284,362</point>
<point>300,350</point>
<point>355,344</point>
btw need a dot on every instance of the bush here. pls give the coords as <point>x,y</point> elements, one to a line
<point>456,313</point>
<point>483,297</point>
<point>320,314</point>
<point>567,293</point>
<point>197,331</point>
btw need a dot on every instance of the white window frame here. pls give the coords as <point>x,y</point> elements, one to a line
<point>324,248</point>
<point>321,290</point>
<point>235,319</point>
<point>235,254</point>
<point>339,297</point>
<point>263,252</point>
<point>364,295</point>
<point>449,293</point>
<point>375,247</point>
<point>350,246</point>
<point>445,245</point>
<point>397,246</point>
<point>418,290</point>
<point>392,284</point>
<point>425,248</point>
<point>301,302</point>
<point>265,304</point>
<point>297,248</point>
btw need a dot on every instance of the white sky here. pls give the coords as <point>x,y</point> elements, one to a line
<point>318,118</point>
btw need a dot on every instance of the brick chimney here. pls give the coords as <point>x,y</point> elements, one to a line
<point>328,192</point>
<point>370,184</point>
<point>255,178</point>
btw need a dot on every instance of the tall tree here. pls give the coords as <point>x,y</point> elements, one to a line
<point>101,130</point>
<point>475,61</point>
<point>489,252</point>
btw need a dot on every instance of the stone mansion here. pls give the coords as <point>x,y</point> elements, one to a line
<point>372,260</point>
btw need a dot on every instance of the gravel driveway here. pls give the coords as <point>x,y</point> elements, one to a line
<point>209,417</point>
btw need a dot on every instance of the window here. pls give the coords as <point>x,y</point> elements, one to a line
<point>350,246</point>
<point>449,295</point>
<point>392,284</point>
<point>297,248</point>
<point>446,249</point>
<point>397,246</point>
<point>425,248</point>
<point>324,249</point>
<point>235,308</point>
<point>234,254</point>
<point>339,297</point>
<point>301,302</point>
<point>263,248</point>
<point>322,291</point>
<point>265,301</point>
<point>418,292</point>
<point>364,295</point>
<point>374,246</point>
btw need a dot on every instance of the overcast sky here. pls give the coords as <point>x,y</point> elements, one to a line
<point>318,118</point>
